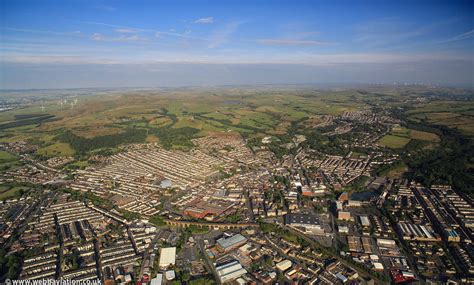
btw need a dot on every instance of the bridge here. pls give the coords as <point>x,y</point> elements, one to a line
<point>183,224</point>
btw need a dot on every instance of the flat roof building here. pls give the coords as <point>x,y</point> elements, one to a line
<point>230,271</point>
<point>283,265</point>
<point>158,280</point>
<point>309,222</point>
<point>342,215</point>
<point>364,220</point>
<point>233,242</point>
<point>167,257</point>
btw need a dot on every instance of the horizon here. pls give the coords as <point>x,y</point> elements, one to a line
<point>302,86</point>
<point>120,44</point>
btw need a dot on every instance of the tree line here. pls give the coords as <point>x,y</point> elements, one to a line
<point>83,144</point>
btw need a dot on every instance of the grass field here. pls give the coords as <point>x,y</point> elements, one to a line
<point>6,157</point>
<point>254,112</point>
<point>396,171</point>
<point>357,155</point>
<point>424,136</point>
<point>7,192</point>
<point>56,149</point>
<point>8,161</point>
<point>400,136</point>
<point>394,142</point>
<point>448,113</point>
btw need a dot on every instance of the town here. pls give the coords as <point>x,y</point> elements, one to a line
<point>229,213</point>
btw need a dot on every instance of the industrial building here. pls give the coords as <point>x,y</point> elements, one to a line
<point>310,222</point>
<point>167,257</point>
<point>230,271</point>
<point>231,243</point>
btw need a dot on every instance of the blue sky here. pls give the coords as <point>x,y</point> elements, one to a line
<point>62,44</point>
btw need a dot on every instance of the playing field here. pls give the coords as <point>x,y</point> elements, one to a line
<point>394,142</point>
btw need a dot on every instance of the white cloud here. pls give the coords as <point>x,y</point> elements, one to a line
<point>309,59</point>
<point>97,37</point>
<point>460,37</point>
<point>123,38</point>
<point>207,20</point>
<point>222,35</point>
<point>185,35</point>
<point>290,42</point>
<point>115,26</point>
<point>126,31</point>
<point>50,59</point>
<point>44,32</point>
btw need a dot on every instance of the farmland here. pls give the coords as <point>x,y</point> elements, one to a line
<point>400,137</point>
<point>7,160</point>
<point>187,113</point>
<point>79,126</point>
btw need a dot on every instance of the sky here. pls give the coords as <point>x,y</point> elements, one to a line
<point>76,44</point>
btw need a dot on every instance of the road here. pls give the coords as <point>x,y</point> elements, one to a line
<point>59,272</point>
<point>209,265</point>
<point>315,245</point>
<point>130,236</point>
<point>248,204</point>
<point>98,259</point>
<point>147,253</point>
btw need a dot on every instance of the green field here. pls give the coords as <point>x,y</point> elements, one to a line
<point>186,114</point>
<point>447,113</point>
<point>8,161</point>
<point>392,141</point>
<point>401,136</point>
<point>56,149</point>
<point>7,192</point>
<point>6,157</point>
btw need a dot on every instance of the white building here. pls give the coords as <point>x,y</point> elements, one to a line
<point>167,257</point>
<point>230,271</point>
<point>283,265</point>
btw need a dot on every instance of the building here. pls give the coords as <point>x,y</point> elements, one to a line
<point>283,265</point>
<point>231,243</point>
<point>342,215</point>
<point>344,197</point>
<point>167,257</point>
<point>230,271</point>
<point>452,235</point>
<point>341,277</point>
<point>343,229</point>
<point>378,266</point>
<point>166,183</point>
<point>170,275</point>
<point>354,203</point>
<point>309,222</point>
<point>364,221</point>
<point>390,243</point>
<point>158,280</point>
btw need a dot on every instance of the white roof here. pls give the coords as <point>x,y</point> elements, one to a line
<point>283,265</point>
<point>158,280</point>
<point>170,275</point>
<point>167,256</point>
<point>378,265</point>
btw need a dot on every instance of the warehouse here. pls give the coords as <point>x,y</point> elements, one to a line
<point>230,271</point>
<point>167,257</point>
<point>311,223</point>
<point>231,243</point>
